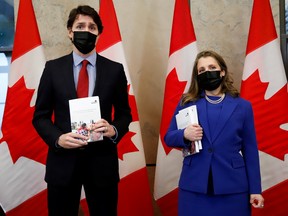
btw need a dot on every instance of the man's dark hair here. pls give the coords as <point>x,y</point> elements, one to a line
<point>85,10</point>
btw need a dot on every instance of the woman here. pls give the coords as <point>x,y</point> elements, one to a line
<point>223,178</point>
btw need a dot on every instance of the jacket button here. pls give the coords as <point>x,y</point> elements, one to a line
<point>210,150</point>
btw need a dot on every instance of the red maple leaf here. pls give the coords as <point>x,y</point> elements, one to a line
<point>17,127</point>
<point>126,145</point>
<point>173,92</point>
<point>133,106</point>
<point>269,115</point>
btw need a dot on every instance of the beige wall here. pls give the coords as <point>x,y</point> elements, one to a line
<point>145,25</point>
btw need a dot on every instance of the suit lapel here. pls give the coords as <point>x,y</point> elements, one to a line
<point>228,108</point>
<point>68,76</point>
<point>203,119</point>
<point>98,75</point>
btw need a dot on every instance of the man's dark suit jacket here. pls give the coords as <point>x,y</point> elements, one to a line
<point>52,119</point>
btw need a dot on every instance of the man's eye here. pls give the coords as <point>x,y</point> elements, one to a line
<point>93,28</point>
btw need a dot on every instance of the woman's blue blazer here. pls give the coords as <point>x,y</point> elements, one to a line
<point>231,154</point>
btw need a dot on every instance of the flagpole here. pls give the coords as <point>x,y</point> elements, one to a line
<point>283,35</point>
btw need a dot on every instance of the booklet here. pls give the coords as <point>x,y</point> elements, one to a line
<point>184,118</point>
<point>84,112</point>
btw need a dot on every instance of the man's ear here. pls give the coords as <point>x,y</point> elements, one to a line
<point>70,33</point>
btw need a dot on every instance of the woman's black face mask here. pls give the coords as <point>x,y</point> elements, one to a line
<point>209,80</point>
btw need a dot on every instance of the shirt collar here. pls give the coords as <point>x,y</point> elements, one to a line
<point>78,59</point>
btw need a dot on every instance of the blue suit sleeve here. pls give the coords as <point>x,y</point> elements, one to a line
<point>174,137</point>
<point>250,152</point>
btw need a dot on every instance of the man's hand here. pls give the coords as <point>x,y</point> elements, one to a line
<point>72,140</point>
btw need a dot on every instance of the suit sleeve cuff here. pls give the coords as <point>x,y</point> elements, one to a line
<point>57,145</point>
<point>114,138</point>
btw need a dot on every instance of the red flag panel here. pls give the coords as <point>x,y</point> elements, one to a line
<point>264,87</point>
<point>26,34</point>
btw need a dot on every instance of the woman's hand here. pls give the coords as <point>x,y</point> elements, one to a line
<point>257,200</point>
<point>193,132</point>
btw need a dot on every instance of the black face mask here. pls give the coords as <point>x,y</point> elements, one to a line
<point>84,41</point>
<point>209,80</point>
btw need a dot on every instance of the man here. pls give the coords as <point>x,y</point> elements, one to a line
<point>72,161</point>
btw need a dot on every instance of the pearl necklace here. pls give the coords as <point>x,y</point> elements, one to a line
<point>215,101</point>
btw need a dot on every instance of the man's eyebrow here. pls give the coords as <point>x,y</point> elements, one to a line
<point>84,23</point>
<point>80,23</point>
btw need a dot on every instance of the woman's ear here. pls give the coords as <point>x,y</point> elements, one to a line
<point>222,73</point>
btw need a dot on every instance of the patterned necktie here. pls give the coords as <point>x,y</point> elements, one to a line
<point>83,81</point>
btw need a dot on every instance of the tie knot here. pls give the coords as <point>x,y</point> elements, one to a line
<point>84,63</point>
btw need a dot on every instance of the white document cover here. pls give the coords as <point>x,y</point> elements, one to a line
<point>187,117</point>
<point>84,112</point>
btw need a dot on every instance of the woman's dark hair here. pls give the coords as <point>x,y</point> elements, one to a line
<point>194,92</point>
<point>84,10</point>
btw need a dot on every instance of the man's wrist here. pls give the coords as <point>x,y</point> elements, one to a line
<point>114,138</point>
<point>57,144</point>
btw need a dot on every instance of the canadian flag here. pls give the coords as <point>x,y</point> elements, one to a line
<point>183,51</point>
<point>23,153</point>
<point>134,191</point>
<point>264,84</point>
